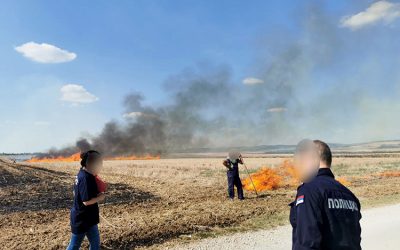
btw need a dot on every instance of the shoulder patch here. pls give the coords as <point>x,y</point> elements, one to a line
<point>299,200</point>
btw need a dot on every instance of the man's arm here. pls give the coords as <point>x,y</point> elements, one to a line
<point>309,207</point>
<point>241,159</point>
<point>94,200</point>
<point>88,192</point>
<point>227,164</point>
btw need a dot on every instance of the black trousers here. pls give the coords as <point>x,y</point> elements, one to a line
<point>234,180</point>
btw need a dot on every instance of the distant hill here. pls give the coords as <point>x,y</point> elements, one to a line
<point>16,157</point>
<point>376,146</point>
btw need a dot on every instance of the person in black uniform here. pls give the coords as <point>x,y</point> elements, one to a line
<point>232,164</point>
<point>85,211</point>
<point>325,214</point>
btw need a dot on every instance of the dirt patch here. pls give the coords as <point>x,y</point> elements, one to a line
<point>153,202</point>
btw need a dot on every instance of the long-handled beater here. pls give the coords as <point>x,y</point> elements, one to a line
<point>255,190</point>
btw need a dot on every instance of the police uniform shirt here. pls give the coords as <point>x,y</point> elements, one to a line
<point>325,215</point>
<point>83,217</point>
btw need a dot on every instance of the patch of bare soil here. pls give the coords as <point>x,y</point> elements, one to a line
<point>148,202</point>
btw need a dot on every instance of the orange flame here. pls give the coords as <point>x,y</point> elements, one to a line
<point>72,158</point>
<point>265,179</point>
<point>77,157</point>
<point>344,181</point>
<point>390,174</point>
<point>269,178</point>
<point>289,172</point>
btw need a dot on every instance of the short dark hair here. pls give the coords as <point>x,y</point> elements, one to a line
<point>324,151</point>
<point>88,157</point>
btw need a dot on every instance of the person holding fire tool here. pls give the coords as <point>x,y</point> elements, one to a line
<point>232,164</point>
<point>325,214</point>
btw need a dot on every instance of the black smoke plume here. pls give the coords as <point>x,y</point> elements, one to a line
<point>306,87</point>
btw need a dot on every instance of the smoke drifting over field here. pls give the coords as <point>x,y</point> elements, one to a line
<point>181,124</point>
<point>302,85</point>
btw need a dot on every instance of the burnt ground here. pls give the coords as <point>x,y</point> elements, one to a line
<point>148,203</point>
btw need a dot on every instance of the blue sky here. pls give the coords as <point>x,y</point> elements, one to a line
<point>112,48</point>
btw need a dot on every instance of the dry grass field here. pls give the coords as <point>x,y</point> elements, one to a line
<point>159,203</point>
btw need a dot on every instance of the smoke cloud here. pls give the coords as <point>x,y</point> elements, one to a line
<point>307,86</point>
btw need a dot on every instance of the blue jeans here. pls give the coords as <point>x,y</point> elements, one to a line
<point>93,236</point>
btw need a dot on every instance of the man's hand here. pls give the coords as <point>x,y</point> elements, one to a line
<point>227,164</point>
<point>101,197</point>
<point>92,201</point>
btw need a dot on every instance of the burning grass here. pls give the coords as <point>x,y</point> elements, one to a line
<point>76,157</point>
<point>344,181</point>
<point>155,202</point>
<point>390,174</point>
<point>271,178</point>
<point>71,158</point>
<point>265,179</point>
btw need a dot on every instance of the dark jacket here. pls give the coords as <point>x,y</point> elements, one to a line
<point>325,215</point>
<point>233,166</point>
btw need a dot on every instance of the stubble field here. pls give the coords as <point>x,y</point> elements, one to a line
<point>160,203</point>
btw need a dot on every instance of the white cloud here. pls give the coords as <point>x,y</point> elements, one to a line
<point>77,94</point>
<point>133,115</point>
<point>277,110</point>
<point>381,11</point>
<point>252,81</point>
<point>45,53</point>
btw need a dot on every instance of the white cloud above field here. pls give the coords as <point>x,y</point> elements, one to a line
<point>277,110</point>
<point>45,53</point>
<point>381,11</point>
<point>77,94</point>
<point>252,81</point>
